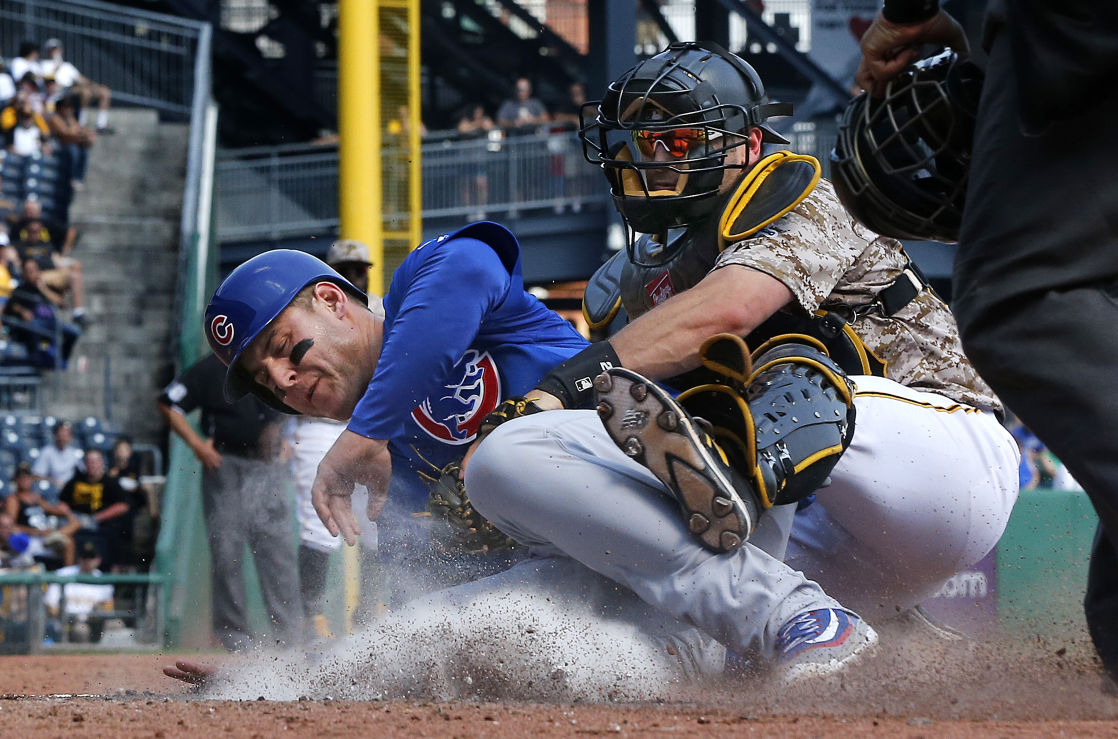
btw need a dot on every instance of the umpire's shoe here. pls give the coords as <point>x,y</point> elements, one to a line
<point>718,502</point>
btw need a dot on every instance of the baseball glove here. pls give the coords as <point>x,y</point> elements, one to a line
<point>459,526</point>
<point>507,410</point>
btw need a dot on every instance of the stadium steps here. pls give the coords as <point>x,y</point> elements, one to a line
<point>128,217</point>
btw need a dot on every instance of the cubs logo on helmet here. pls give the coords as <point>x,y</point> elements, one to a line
<point>221,329</point>
<point>453,417</point>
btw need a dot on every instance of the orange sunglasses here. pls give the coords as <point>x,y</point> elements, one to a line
<point>678,142</point>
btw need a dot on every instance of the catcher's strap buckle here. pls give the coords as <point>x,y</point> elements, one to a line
<point>892,300</point>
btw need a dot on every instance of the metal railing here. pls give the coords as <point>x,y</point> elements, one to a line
<point>147,59</point>
<point>268,193</point>
<point>273,192</point>
<point>23,617</point>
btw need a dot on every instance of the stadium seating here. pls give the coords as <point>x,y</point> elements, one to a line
<point>42,177</point>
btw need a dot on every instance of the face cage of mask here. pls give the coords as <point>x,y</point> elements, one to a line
<point>889,164</point>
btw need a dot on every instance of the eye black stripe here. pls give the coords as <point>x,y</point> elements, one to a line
<point>300,349</point>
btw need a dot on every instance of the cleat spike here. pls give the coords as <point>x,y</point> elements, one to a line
<point>639,391</point>
<point>698,523</point>
<point>634,447</point>
<point>730,541</point>
<point>603,383</point>
<point>668,420</point>
<point>722,507</point>
<point>605,410</point>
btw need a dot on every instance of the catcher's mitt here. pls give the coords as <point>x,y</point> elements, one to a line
<point>506,411</point>
<point>463,528</point>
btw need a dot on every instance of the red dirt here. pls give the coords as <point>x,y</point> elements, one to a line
<point>125,695</point>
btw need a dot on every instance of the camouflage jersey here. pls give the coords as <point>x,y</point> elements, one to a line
<point>831,262</point>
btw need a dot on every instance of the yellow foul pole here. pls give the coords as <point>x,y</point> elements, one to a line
<point>359,131</point>
<point>359,174</point>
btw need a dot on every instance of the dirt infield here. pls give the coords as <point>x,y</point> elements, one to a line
<point>125,695</point>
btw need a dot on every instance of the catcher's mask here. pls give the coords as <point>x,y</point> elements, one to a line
<point>900,163</point>
<point>691,104</point>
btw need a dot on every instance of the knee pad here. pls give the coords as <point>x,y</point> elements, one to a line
<point>787,424</point>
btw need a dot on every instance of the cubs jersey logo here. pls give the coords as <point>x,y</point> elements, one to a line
<point>221,328</point>
<point>471,393</point>
<point>660,288</point>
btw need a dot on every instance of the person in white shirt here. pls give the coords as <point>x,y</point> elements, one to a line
<point>84,601</point>
<point>59,460</point>
<point>26,61</point>
<point>69,78</point>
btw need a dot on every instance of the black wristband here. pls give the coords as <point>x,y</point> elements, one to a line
<point>909,11</point>
<point>573,381</point>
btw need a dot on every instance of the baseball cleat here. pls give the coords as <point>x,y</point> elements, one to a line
<point>647,424</point>
<point>822,643</point>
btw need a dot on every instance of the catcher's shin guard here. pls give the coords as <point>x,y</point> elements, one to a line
<point>769,436</point>
<point>801,408</point>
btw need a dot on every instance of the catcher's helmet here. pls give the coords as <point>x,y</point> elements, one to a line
<point>900,163</point>
<point>249,299</point>
<point>696,100</point>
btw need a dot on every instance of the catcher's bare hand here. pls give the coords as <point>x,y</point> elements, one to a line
<point>354,459</point>
<point>887,47</point>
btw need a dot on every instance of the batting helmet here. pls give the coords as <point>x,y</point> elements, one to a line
<point>900,163</point>
<point>696,100</point>
<point>249,299</point>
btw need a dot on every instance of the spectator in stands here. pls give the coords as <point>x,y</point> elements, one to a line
<point>51,526</point>
<point>51,245</point>
<point>25,131</point>
<point>31,90</point>
<point>9,209</point>
<point>351,260</point>
<point>475,123</point>
<point>103,509</point>
<point>7,86</point>
<point>32,227</point>
<point>13,543</point>
<point>244,500</point>
<point>567,111</point>
<point>522,113</point>
<point>58,461</point>
<point>124,466</point>
<point>31,319</point>
<point>26,62</point>
<point>85,603</point>
<point>73,138</point>
<point>69,78</point>
<point>30,315</point>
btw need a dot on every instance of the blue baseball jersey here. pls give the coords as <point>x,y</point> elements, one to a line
<point>460,335</point>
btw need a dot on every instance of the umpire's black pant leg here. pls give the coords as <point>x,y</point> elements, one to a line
<point>1036,295</point>
<point>1101,601</point>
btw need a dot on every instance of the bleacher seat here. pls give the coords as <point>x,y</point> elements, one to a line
<point>39,177</point>
<point>99,440</point>
<point>47,489</point>
<point>12,441</point>
<point>93,432</point>
<point>46,426</point>
<point>9,460</point>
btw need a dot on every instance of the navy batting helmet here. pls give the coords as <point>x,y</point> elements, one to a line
<point>695,100</point>
<point>900,163</point>
<point>249,299</point>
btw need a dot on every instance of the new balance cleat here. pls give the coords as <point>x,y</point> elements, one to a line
<point>822,643</point>
<point>648,425</point>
